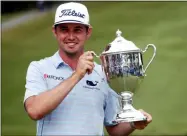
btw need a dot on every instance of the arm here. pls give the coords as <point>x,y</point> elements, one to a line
<point>121,129</point>
<point>38,106</point>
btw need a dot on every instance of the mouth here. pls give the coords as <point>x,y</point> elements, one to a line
<point>71,44</point>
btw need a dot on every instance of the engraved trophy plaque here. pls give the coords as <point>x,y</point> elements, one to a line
<point>122,63</point>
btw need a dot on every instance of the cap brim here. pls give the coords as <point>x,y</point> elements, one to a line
<point>71,21</point>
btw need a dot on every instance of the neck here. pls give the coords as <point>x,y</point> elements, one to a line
<point>70,59</point>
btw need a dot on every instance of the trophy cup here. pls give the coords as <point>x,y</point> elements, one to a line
<point>122,63</point>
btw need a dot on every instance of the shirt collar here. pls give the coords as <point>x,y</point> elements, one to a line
<point>57,60</point>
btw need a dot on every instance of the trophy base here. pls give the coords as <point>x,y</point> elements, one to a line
<point>130,116</point>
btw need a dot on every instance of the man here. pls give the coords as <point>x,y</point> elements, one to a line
<point>67,93</point>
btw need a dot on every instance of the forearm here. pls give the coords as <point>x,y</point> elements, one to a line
<point>122,129</point>
<point>46,102</point>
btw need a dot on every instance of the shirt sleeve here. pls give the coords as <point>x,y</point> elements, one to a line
<point>112,107</point>
<point>35,83</point>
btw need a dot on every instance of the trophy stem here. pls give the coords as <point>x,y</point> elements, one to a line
<point>126,100</point>
<point>128,113</point>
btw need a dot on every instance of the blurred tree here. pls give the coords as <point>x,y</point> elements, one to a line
<point>16,6</point>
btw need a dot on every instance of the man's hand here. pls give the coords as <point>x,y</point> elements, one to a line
<point>142,124</point>
<point>85,64</point>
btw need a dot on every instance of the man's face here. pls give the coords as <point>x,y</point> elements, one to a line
<point>71,37</point>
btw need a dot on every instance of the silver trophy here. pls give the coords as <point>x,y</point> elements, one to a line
<point>122,63</point>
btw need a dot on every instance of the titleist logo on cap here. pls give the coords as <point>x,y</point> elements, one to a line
<point>70,12</point>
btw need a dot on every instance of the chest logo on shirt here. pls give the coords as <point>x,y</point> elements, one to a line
<point>91,83</point>
<point>53,77</point>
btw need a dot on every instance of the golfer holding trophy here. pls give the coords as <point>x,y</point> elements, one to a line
<point>122,63</point>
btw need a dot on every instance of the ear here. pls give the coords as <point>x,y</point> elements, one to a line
<point>54,31</point>
<point>89,33</point>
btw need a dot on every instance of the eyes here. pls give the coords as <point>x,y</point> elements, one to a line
<point>75,30</point>
<point>78,30</point>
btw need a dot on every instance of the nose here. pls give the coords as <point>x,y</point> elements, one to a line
<point>71,36</point>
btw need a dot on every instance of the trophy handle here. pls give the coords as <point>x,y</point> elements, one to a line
<point>154,53</point>
<point>94,54</point>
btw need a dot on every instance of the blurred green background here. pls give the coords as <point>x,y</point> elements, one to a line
<point>163,92</point>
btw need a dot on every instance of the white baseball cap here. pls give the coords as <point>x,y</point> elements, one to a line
<point>72,12</point>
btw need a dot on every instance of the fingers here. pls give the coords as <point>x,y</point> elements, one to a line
<point>89,66</point>
<point>90,58</point>
<point>87,56</point>
<point>142,124</point>
<point>85,64</point>
<point>88,53</point>
<point>148,116</point>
